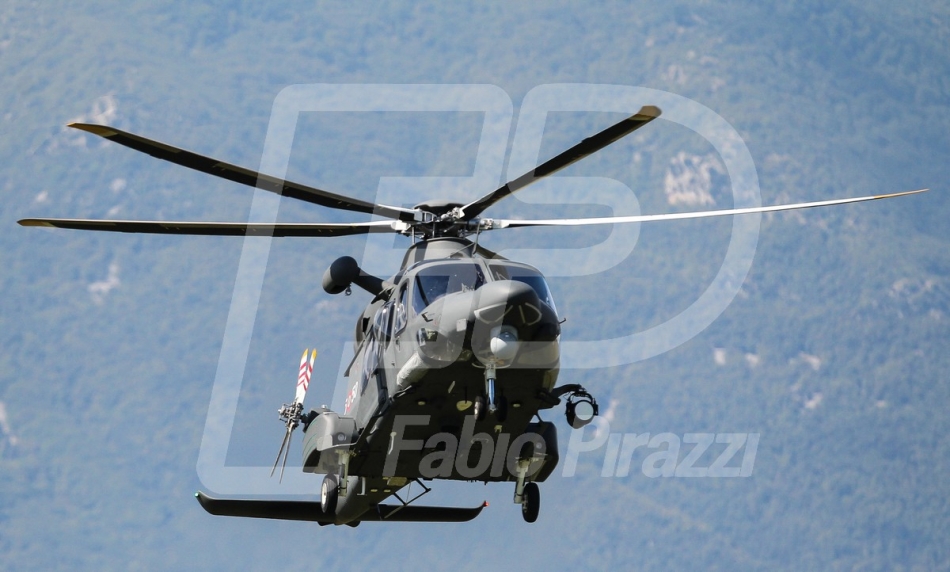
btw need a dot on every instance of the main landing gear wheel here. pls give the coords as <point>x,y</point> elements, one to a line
<point>328,494</point>
<point>531,502</point>
<point>478,411</point>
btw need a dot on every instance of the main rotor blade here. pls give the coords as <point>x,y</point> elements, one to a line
<point>242,175</point>
<point>500,223</point>
<point>219,228</point>
<point>586,147</point>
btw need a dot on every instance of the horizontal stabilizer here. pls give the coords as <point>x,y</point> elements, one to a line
<point>282,510</point>
<point>412,513</point>
<point>311,511</point>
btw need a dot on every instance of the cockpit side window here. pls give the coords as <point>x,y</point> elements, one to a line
<point>401,310</point>
<point>434,282</point>
<point>529,276</point>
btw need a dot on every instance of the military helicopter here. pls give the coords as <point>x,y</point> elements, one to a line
<point>457,353</point>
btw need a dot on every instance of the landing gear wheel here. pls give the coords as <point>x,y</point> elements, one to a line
<point>328,494</point>
<point>531,502</point>
<point>478,410</point>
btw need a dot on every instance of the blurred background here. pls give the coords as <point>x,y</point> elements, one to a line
<point>834,350</point>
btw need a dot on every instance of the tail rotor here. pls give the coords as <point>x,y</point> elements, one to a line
<point>292,413</point>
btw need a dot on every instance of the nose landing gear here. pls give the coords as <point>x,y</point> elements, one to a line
<point>527,493</point>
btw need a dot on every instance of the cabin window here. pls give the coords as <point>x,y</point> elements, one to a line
<point>370,361</point>
<point>383,322</point>
<point>434,282</point>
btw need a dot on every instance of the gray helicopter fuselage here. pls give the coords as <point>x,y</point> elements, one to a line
<point>418,376</point>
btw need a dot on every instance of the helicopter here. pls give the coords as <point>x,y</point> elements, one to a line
<point>456,355</point>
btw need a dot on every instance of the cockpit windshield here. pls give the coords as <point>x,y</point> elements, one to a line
<point>433,282</point>
<point>529,276</point>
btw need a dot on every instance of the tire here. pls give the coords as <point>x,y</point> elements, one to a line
<point>329,491</point>
<point>479,409</point>
<point>531,502</point>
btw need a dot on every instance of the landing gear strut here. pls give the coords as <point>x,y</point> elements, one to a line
<point>490,376</point>
<point>527,493</point>
<point>492,400</point>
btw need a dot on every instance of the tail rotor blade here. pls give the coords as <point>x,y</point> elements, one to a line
<point>290,437</point>
<point>303,377</point>
<point>283,444</point>
<point>303,380</point>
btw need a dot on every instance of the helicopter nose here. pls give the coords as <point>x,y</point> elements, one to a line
<point>510,323</point>
<point>508,302</point>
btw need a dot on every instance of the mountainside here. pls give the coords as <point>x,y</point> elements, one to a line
<point>833,350</point>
